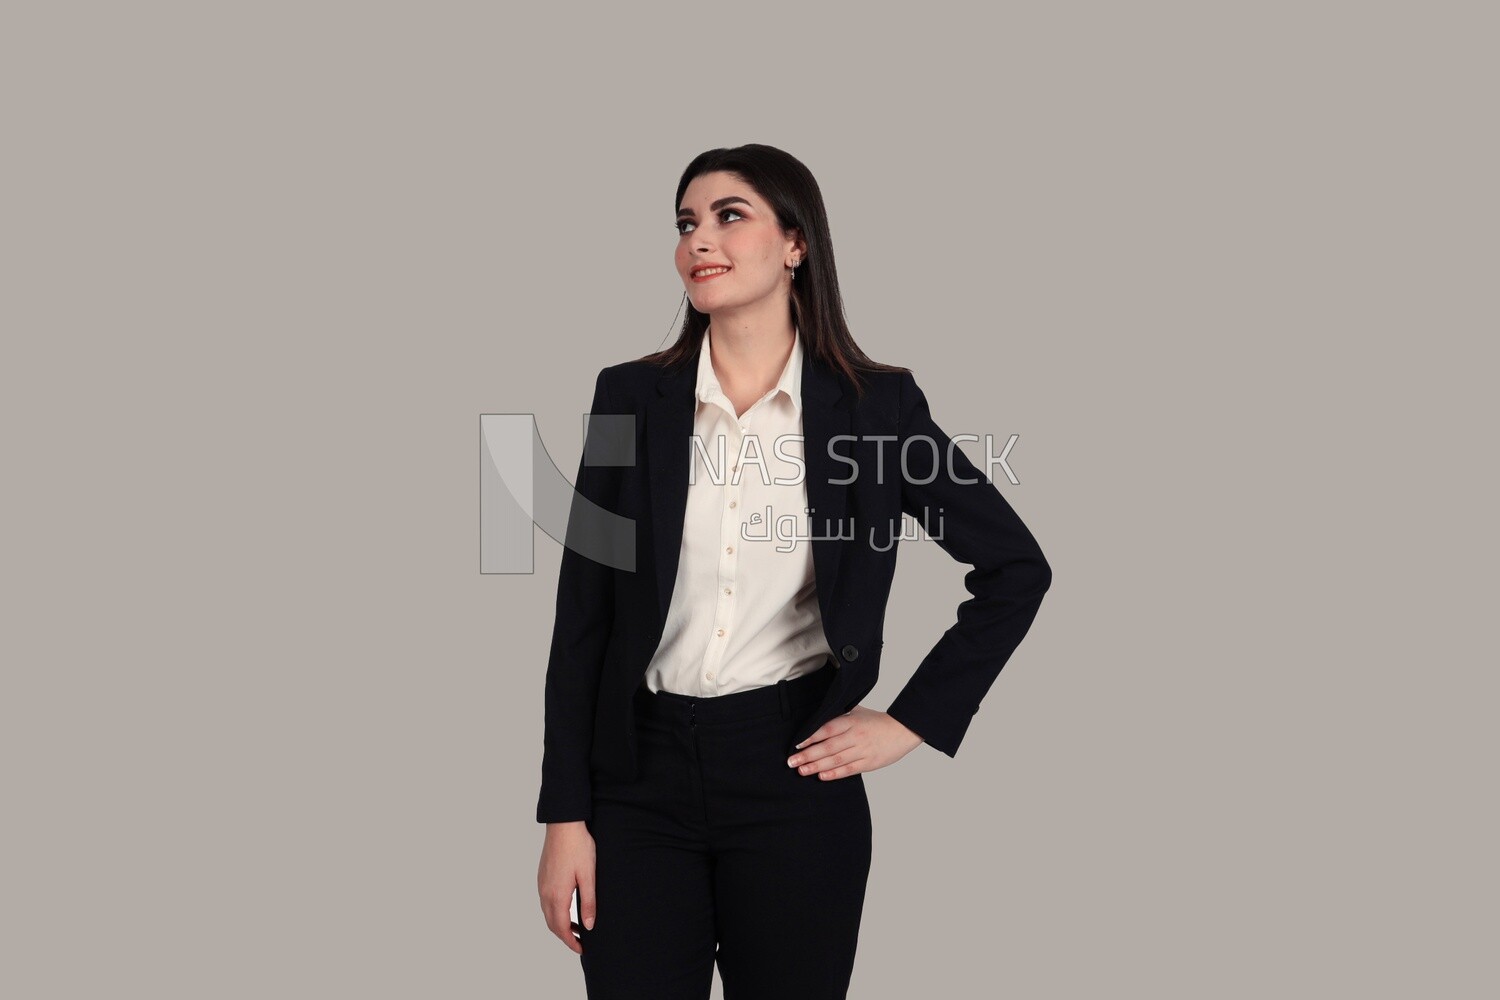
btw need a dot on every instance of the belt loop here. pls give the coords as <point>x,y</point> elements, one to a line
<point>786,701</point>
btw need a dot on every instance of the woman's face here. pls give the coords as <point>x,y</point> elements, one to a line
<point>722,221</point>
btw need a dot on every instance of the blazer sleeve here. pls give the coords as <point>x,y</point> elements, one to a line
<point>580,634</point>
<point>1008,577</point>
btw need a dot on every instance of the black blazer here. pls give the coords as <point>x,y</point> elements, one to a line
<point>609,620</point>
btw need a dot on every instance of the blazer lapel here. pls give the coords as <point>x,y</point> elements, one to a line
<point>669,430</point>
<point>825,415</point>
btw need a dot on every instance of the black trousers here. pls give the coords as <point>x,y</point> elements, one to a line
<point>721,852</point>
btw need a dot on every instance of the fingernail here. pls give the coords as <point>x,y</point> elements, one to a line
<point>789,762</point>
<point>589,923</point>
<point>799,745</point>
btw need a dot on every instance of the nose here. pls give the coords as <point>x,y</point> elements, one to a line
<point>699,252</point>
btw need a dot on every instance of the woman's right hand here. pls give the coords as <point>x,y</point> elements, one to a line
<point>567,862</point>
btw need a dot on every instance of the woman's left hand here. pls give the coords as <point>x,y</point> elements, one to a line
<point>861,739</point>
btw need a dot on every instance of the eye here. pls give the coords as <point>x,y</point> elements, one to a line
<point>688,222</point>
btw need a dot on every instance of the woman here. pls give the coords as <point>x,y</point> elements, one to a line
<point>704,748</point>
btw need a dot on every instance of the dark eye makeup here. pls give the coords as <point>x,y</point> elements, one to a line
<point>732,211</point>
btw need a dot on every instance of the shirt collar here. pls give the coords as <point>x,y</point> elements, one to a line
<point>789,383</point>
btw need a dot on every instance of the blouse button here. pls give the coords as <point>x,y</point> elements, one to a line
<point>721,631</point>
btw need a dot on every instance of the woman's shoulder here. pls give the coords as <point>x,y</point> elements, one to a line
<point>881,387</point>
<point>629,380</point>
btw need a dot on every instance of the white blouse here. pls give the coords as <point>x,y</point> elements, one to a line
<point>744,611</point>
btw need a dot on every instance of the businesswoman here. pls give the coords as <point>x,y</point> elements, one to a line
<point>720,610</point>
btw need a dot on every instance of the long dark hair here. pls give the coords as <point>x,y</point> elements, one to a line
<point>817,308</point>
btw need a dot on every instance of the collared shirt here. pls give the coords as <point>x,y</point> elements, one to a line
<point>744,610</point>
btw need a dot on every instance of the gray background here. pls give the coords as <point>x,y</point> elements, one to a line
<point>1226,270</point>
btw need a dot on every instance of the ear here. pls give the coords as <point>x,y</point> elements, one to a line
<point>799,245</point>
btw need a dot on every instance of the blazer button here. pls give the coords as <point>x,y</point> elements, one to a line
<point>849,652</point>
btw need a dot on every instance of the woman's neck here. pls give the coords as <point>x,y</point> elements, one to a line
<point>748,362</point>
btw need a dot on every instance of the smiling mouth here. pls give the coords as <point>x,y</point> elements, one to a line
<point>709,272</point>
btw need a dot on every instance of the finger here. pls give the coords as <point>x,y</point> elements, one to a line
<point>587,906</point>
<point>832,727</point>
<point>834,745</point>
<point>817,734</point>
<point>843,770</point>
<point>559,920</point>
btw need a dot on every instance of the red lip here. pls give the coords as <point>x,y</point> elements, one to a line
<point>694,275</point>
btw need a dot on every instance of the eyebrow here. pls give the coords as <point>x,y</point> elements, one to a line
<point>685,212</point>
